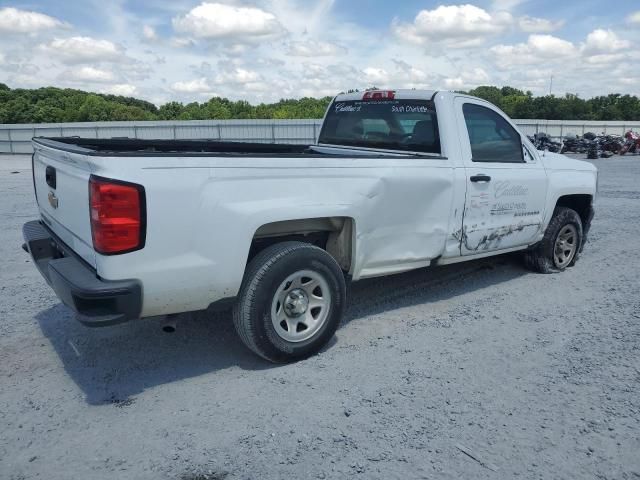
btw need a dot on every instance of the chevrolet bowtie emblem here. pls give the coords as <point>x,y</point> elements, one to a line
<point>53,200</point>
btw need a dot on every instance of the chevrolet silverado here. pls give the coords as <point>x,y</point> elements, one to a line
<point>397,180</point>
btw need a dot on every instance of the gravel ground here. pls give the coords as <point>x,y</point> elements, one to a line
<point>536,376</point>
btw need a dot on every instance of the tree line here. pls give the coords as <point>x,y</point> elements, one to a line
<point>53,105</point>
<point>519,104</point>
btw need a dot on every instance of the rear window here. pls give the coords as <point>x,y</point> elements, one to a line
<point>409,125</point>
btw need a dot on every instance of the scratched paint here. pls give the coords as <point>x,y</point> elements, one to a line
<point>491,240</point>
<point>504,212</point>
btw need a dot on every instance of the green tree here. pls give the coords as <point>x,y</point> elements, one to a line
<point>488,93</point>
<point>170,111</point>
<point>52,104</point>
<point>217,109</point>
<point>193,111</point>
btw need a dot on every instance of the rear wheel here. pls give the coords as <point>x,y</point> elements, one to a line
<point>561,244</point>
<point>291,301</point>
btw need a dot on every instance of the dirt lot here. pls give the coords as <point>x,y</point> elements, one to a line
<point>536,376</point>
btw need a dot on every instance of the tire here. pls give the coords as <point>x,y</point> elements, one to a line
<point>543,257</point>
<point>270,315</point>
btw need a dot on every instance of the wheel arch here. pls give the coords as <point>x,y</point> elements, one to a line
<point>582,203</point>
<point>335,235</point>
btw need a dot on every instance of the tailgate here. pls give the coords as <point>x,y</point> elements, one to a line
<point>61,181</point>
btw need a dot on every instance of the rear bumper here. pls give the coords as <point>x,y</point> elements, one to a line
<point>97,302</point>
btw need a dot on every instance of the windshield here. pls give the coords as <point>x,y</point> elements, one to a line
<point>409,125</point>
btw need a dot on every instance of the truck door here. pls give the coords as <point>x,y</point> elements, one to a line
<point>506,183</point>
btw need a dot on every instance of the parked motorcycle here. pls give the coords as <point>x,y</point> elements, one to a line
<point>595,146</point>
<point>631,144</point>
<point>542,141</point>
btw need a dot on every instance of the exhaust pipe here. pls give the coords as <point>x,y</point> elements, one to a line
<point>170,324</point>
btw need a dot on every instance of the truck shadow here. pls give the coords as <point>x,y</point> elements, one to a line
<point>111,364</point>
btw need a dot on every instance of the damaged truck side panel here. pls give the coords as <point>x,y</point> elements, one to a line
<point>401,213</point>
<point>505,191</point>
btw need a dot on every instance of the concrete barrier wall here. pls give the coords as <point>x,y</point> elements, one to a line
<point>17,138</point>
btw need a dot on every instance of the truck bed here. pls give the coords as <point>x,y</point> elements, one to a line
<point>105,147</point>
<point>130,147</point>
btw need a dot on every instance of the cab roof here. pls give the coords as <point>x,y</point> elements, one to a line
<point>401,94</point>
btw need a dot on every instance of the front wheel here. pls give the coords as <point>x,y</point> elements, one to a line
<point>291,301</point>
<point>561,244</point>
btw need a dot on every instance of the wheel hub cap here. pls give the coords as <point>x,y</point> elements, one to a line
<point>296,303</point>
<point>300,306</point>
<point>566,246</point>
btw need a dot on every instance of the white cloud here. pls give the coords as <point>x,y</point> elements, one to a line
<point>236,76</point>
<point>262,50</point>
<point>604,58</point>
<point>467,79</point>
<point>634,17</point>
<point>83,50</point>
<point>575,67</point>
<point>455,25</point>
<point>506,55</point>
<point>316,79</point>
<point>200,85</point>
<point>29,68</point>
<point>181,42</point>
<point>219,21</point>
<point>122,89</point>
<point>538,48</point>
<point>376,76</point>
<point>22,68</point>
<point>13,20</point>
<point>315,49</point>
<point>411,74</point>
<point>604,41</point>
<point>538,25</point>
<point>87,74</point>
<point>149,33</point>
<point>601,47</point>
<point>137,70</point>
<point>533,73</point>
<point>456,83</point>
<point>312,18</point>
<point>548,46</point>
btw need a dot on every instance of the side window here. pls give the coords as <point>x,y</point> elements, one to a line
<point>492,138</point>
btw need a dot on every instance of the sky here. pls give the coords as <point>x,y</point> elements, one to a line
<point>265,50</point>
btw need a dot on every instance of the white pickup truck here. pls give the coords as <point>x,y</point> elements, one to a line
<point>397,180</point>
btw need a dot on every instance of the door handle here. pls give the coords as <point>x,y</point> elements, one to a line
<point>480,178</point>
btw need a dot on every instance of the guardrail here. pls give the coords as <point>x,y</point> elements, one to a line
<point>16,138</point>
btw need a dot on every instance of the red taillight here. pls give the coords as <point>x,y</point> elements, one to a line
<point>379,95</point>
<point>117,215</point>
